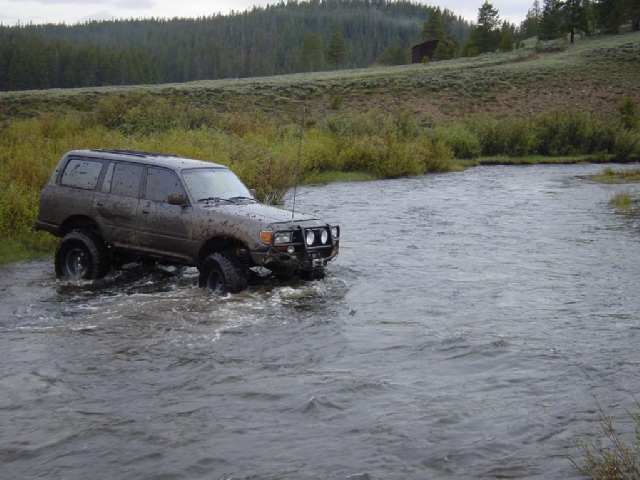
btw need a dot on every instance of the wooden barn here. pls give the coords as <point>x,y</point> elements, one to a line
<point>425,49</point>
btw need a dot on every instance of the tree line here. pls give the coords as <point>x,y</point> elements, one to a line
<point>556,18</point>
<point>299,36</point>
<point>273,40</point>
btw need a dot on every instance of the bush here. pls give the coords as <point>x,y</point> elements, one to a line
<point>370,124</point>
<point>462,141</point>
<point>618,461</point>
<point>571,133</point>
<point>628,113</point>
<point>436,156</point>
<point>490,135</point>
<point>520,138</point>
<point>625,145</point>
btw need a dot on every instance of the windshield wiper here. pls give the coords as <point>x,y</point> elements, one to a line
<point>242,198</point>
<point>215,199</point>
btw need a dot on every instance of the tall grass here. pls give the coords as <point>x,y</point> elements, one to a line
<point>263,151</point>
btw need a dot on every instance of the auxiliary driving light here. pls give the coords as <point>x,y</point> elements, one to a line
<point>291,250</point>
<point>324,237</point>
<point>311,236</point>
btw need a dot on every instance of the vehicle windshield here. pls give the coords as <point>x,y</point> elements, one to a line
<point>214,183</point>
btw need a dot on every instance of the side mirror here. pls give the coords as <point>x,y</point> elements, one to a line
<point>254,193</point>
<point>178,199</point>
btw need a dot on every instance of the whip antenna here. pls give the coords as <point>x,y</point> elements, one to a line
<point>295,186</point>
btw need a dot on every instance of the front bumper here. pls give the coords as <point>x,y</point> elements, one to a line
<point>298,254</point>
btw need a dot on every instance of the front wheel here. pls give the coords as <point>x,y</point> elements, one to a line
<point>316,274</point>
<point>222,273</point>
<point>81,255</point>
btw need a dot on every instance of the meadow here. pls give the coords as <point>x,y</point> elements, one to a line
<point>544,103</point>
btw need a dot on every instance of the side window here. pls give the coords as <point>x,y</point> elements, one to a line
<point>160,184</point>
<point>126,179</point>
<point>81,174</point>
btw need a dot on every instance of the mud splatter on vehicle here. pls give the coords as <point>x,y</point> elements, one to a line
<point>112,206</point>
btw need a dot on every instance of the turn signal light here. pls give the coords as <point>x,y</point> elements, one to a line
<point>265,236</point>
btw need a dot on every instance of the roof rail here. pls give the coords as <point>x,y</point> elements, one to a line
<point>136,153</point>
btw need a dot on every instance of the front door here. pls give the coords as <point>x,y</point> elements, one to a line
<point>163,227</point>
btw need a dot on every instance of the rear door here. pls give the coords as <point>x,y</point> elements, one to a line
<point>115,206</point>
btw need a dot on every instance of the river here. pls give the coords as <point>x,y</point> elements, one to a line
<point>465,331</point>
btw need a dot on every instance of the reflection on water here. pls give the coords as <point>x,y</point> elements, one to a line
<point>462,333</point>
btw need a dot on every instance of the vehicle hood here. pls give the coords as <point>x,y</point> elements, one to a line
<point>258,212</point>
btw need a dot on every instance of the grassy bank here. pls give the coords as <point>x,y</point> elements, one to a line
<point>264,151</point>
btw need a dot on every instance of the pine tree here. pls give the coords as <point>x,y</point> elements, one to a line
<point>610,14</point>
<point>550,21</point>
<point>576,16</point>
<point>311,53</point>
<point>486,36</point>
<point>434,28</point>
<point>337,48</point>
<point>530,27</point>
<point>506,42</point>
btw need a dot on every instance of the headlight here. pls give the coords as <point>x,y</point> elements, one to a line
<point>311,236</point>
<point>335,232</point>
<point>324,237</point>
<point>283,237</point>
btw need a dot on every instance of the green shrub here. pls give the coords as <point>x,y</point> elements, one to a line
<point>406,124</point>
<point>571,133</point>
<point>615,461</point>
<point>628,113</point>
<point>111,111</point>
<point>436,156</point>
<point>336,101</point>
<point>373,123</point>
<point>520,138</point>
<point>319,153</point>
<point>490,135</point>
<point>626,144</point>
<point>462,141</point>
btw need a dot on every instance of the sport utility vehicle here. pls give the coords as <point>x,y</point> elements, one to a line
<point>112,206</point>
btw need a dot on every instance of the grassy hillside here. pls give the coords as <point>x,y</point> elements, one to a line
<point>592,75</point>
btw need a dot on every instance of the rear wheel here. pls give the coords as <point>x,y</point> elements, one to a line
<point>82,255</point>
<point>222,273</point>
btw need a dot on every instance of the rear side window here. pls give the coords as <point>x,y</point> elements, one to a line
<point>126,179</point>
<point>81,174</point>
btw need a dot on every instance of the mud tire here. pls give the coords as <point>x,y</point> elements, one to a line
<point>222,273</point>
<point>81,255</point>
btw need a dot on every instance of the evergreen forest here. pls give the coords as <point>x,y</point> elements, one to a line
<point>279,39</point>
<point>273,40</point>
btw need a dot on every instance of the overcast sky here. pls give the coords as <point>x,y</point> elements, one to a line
<point>74,11</point>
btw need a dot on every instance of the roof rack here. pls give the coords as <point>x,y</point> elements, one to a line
<point>136,153</point>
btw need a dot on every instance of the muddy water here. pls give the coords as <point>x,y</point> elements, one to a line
<point>462,333</point>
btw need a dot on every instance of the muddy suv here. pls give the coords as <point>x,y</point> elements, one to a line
<point>110,207</point>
